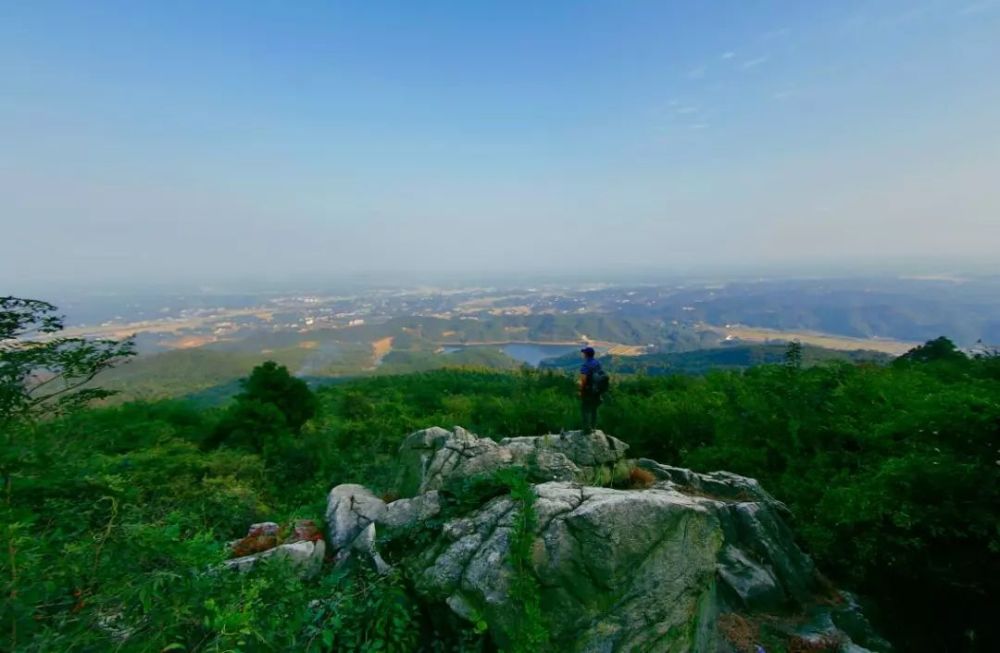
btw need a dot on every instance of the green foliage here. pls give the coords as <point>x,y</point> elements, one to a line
<point>714,358</point>
<point>890,470</point>
<point>365,421</point>
<point>793,354</point>
<point>364,613</point>
<point>180,372</point>
<point>403,362</point>
<point>939,350</point>
<point>117,514</point>
<point>462,494</point>
<point>422,332</point>
<point>271,383</point>
<point>251,425</point>
<point>114,534</point>
<point>267,418</point>
<point>42,375</point>
<point>41,371</point>
<point>525,591</point>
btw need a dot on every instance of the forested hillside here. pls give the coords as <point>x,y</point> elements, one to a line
<point>732,357</point>
<point>112,516</point>
<point>398,345</point>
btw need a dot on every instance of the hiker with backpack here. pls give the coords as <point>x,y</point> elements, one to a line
<point>594,383</point>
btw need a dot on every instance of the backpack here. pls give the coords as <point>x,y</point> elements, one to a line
<point>599,382</point>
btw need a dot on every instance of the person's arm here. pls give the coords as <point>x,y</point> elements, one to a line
<point>583,383</point>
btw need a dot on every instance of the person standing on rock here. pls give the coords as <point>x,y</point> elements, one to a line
<point>593,385</point>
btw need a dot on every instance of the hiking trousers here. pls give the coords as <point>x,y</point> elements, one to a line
<point>588,411</point>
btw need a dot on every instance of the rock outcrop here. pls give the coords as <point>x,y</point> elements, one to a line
<point>303,548</point>
<point>619,569</point>
<point>432,456</point>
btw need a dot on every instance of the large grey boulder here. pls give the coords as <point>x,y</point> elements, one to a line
<point>350,508</point>
<point>429,458</point>
<point>405,512</point>
<point>619,569</point>
<point>721,485</point>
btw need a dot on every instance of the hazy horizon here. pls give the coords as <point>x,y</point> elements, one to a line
<point>188,143</point>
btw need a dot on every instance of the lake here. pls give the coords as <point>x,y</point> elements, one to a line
<point>529,353</point>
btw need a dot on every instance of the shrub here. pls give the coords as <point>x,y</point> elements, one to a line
<point>270,383</point>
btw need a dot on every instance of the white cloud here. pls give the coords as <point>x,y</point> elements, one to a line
<point>727,55</point>
<point>686,110</point>
<point>752,63</point>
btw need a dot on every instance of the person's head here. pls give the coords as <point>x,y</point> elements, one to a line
<point>588,352</point>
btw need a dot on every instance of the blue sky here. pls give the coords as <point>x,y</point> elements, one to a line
<point>199,141</point>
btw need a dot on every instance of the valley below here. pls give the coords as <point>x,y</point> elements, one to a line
<point>387,330</point>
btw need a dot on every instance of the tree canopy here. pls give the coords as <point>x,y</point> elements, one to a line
<point>270,383</point>
<point>40,369</point>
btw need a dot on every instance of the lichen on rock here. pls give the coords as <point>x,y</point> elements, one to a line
<point>304,547</point>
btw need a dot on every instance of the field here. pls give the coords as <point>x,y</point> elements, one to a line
<point>826,340</point>
<point>122,330</point>
<point>380,348</point>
